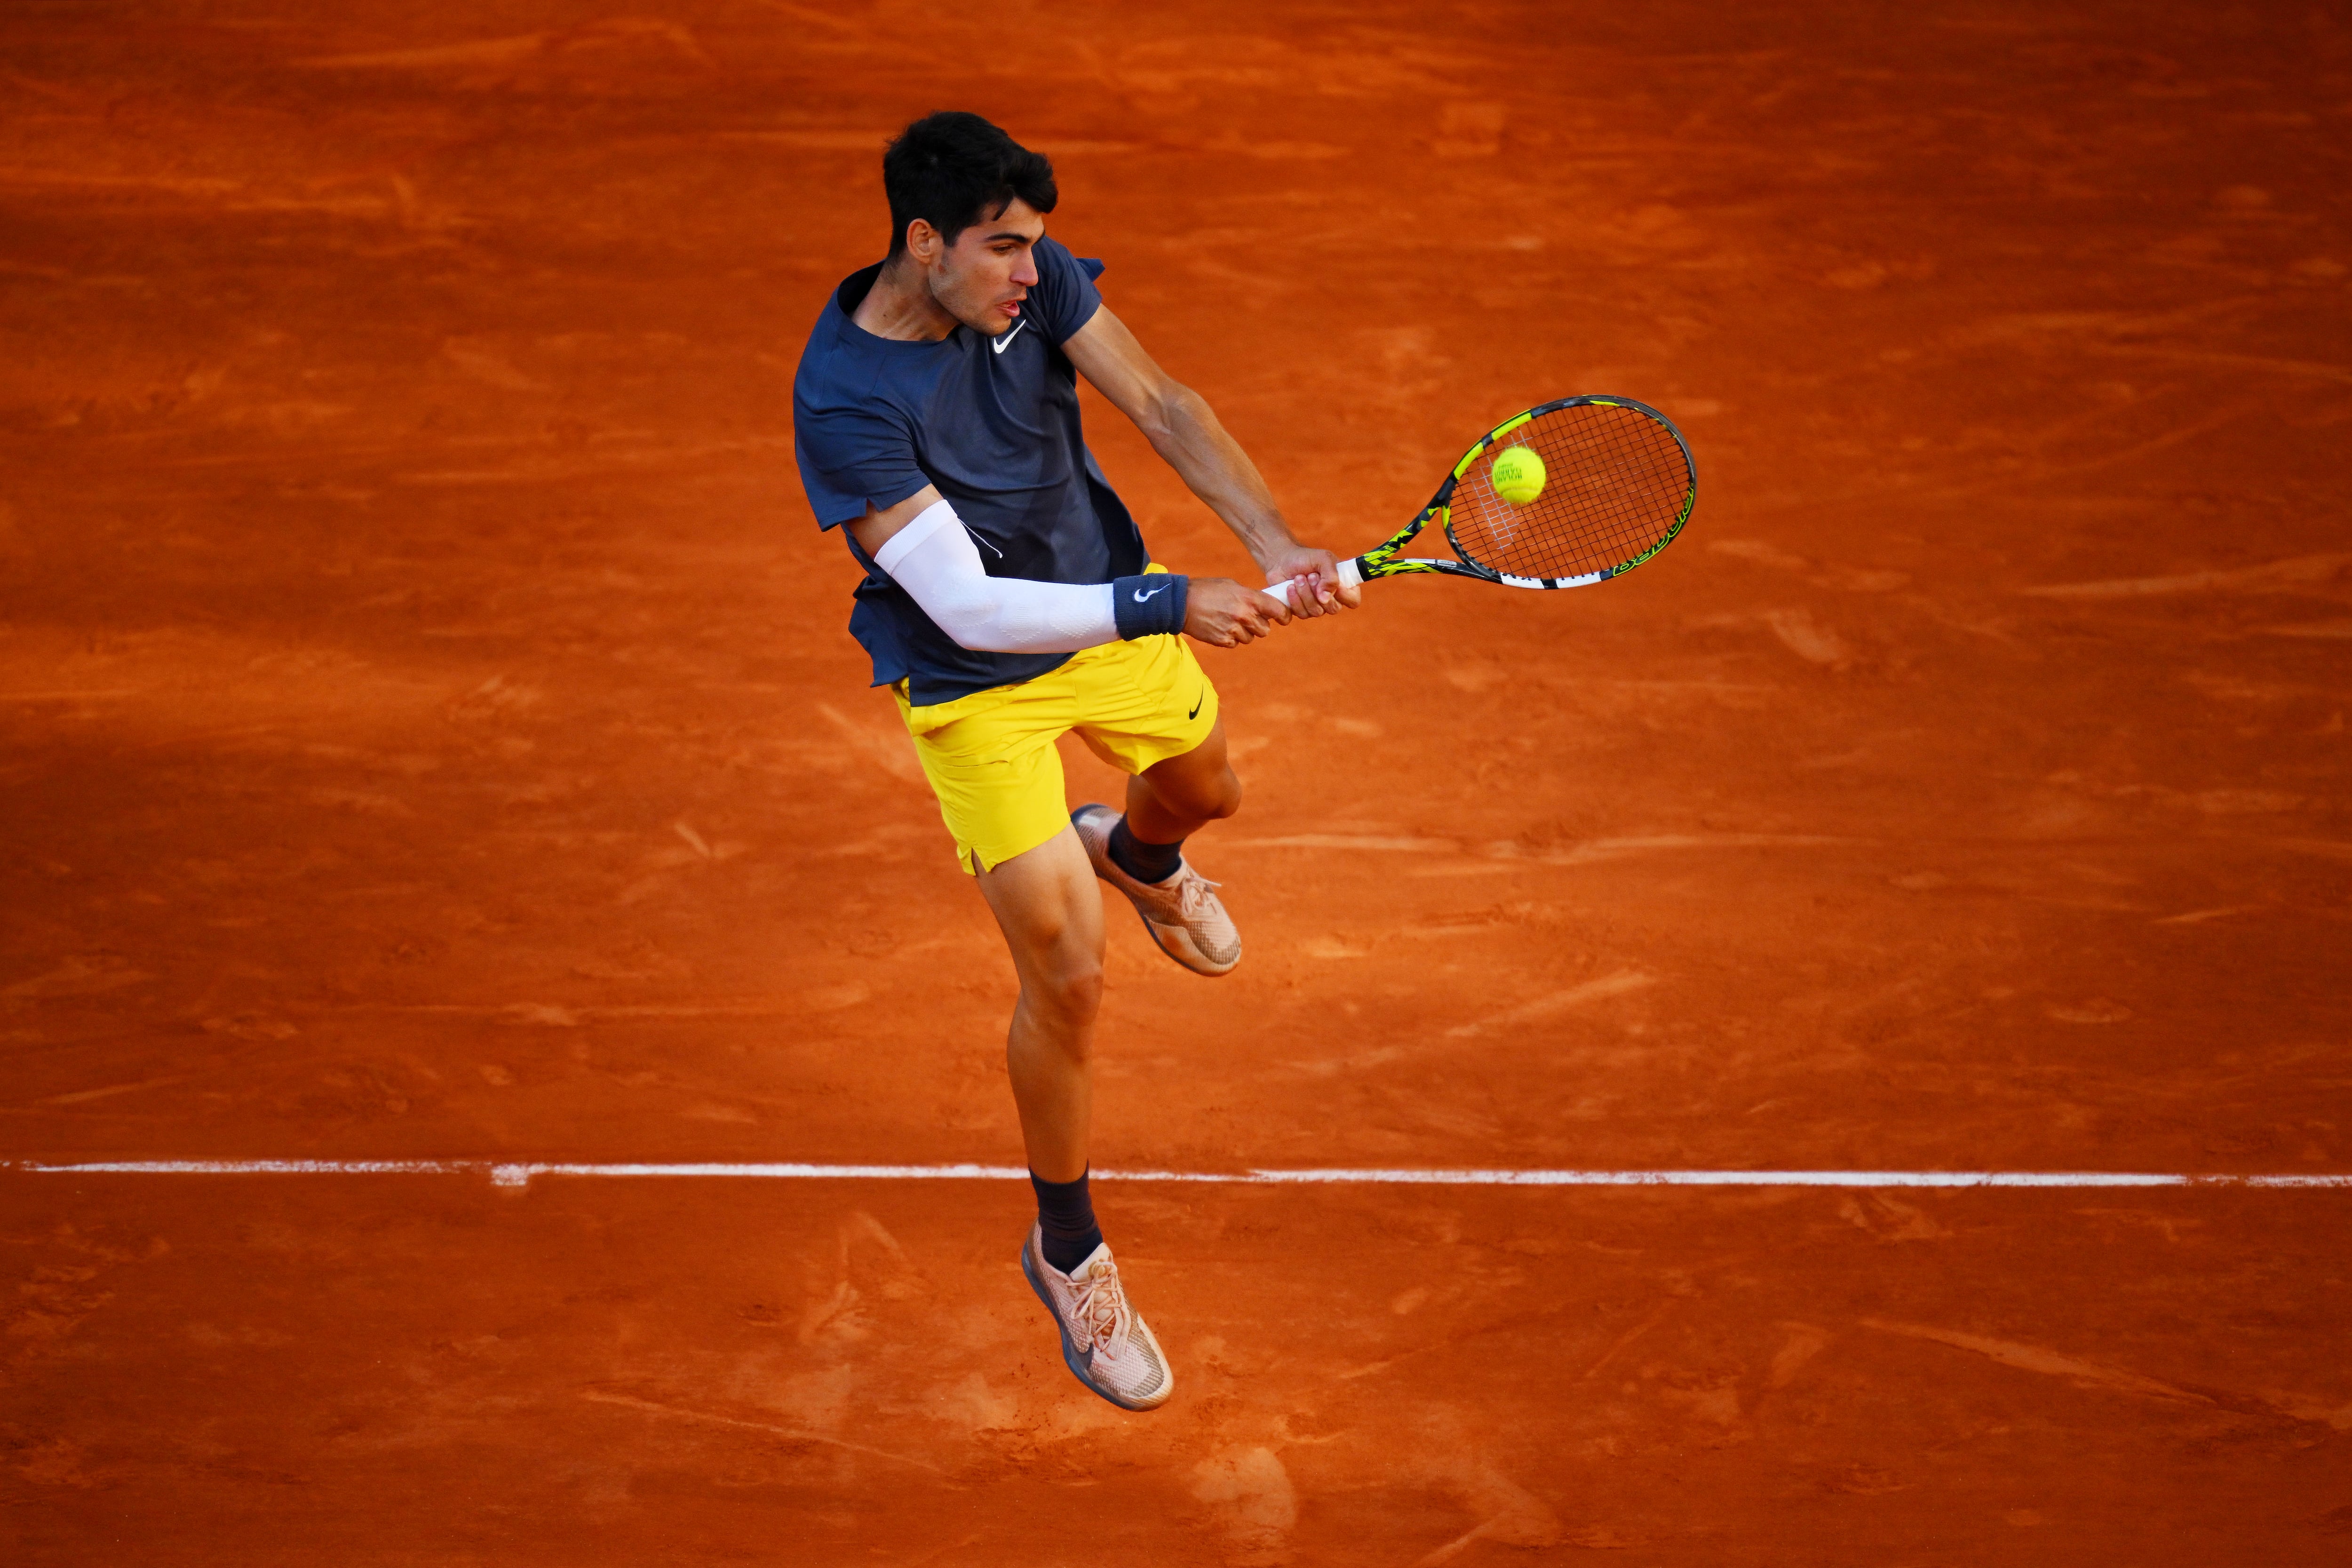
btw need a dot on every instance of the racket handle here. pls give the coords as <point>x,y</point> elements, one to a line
<point>1348,577</point>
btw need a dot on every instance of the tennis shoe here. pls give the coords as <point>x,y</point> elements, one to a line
<point>1104,1342</point>
<point>1183,914</point>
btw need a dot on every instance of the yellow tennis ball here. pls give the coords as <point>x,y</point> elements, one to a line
<point>1517,476</point>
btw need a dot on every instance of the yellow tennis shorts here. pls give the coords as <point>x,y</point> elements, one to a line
<point>991,757</point>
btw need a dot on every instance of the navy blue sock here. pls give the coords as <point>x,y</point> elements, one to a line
<point>1145,862</point>
<point>1066,1217</point>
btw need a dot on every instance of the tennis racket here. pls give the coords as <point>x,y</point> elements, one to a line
<point>1615,485</point>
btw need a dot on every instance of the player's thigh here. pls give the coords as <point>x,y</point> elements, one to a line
<point>1048,905</point>
<point>992,762</point>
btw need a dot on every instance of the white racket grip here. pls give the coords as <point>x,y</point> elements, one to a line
<point>1348,577</point>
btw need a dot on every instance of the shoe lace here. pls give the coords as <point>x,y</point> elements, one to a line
<point>1101,1306</point>
<point>1193,894</point>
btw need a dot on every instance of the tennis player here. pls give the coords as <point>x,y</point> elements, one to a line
<point>1008,598</point>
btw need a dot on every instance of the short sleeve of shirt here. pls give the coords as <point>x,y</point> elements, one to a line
<point>1064,298</point>
<point>854,458</point>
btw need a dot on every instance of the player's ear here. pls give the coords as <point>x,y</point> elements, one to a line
<point>922,240</point>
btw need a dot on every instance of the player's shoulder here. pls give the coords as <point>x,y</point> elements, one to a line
<point>1065,288</point>
<point>1052,253</point>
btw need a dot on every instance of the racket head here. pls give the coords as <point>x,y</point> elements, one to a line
<point>1619,486</point>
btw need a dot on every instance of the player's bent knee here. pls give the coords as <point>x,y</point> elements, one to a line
<point>1229,798</point>
<point>1206,800</point>
<point>1216,802</point>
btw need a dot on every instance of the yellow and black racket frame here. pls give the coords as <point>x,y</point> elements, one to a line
<point>1382,560</point>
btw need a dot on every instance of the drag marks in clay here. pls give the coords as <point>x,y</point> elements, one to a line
<point>1248,1492</point>
<point>511,61</point>
<point>2094,1375</point>
<point>2292,574</point>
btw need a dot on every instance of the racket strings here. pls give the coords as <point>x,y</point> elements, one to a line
<point>1615,484</point>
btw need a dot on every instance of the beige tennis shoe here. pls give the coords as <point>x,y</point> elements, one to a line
<point>1183,914</point>
<point>1105,1343</point>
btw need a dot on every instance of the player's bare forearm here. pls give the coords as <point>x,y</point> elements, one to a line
<point>1186,433</point>
<point>1190,439</point>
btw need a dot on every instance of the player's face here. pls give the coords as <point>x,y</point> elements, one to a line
<point>983,279</point>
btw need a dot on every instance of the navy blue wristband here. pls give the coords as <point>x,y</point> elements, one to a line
<point>1148,605</point>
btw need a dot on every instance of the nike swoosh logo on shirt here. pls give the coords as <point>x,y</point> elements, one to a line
<point>1001,344</point>
<point>1140,596</point>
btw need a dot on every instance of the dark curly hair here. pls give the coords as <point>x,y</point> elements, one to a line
<point>952,169</point>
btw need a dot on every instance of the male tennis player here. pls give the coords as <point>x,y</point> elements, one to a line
<point>1008,598</point>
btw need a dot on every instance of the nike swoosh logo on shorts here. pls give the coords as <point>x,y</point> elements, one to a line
<point>1195,713</point>
<point>1001,344</point>
<point>1140,596</point>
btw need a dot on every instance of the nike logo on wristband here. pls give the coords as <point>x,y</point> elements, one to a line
<point>1141,596</point>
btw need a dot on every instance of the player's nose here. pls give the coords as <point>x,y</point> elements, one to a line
<point>1025,270</point>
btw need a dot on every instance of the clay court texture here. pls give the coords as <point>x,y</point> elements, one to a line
<point>431,736</point>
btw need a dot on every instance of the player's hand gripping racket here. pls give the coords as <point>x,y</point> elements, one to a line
<point>1566,494</point>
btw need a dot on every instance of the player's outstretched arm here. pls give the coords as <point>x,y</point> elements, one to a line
<point>1183,429</point>
<point>924,547</point>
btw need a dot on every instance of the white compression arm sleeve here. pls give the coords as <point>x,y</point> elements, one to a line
<point>934,559</point>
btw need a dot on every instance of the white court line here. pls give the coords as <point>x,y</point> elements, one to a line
<point>506,1173</point>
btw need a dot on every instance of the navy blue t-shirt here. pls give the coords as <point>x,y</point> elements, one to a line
<point>993,423</point>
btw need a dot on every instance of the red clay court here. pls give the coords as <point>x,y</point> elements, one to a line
<point>431,736</point>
